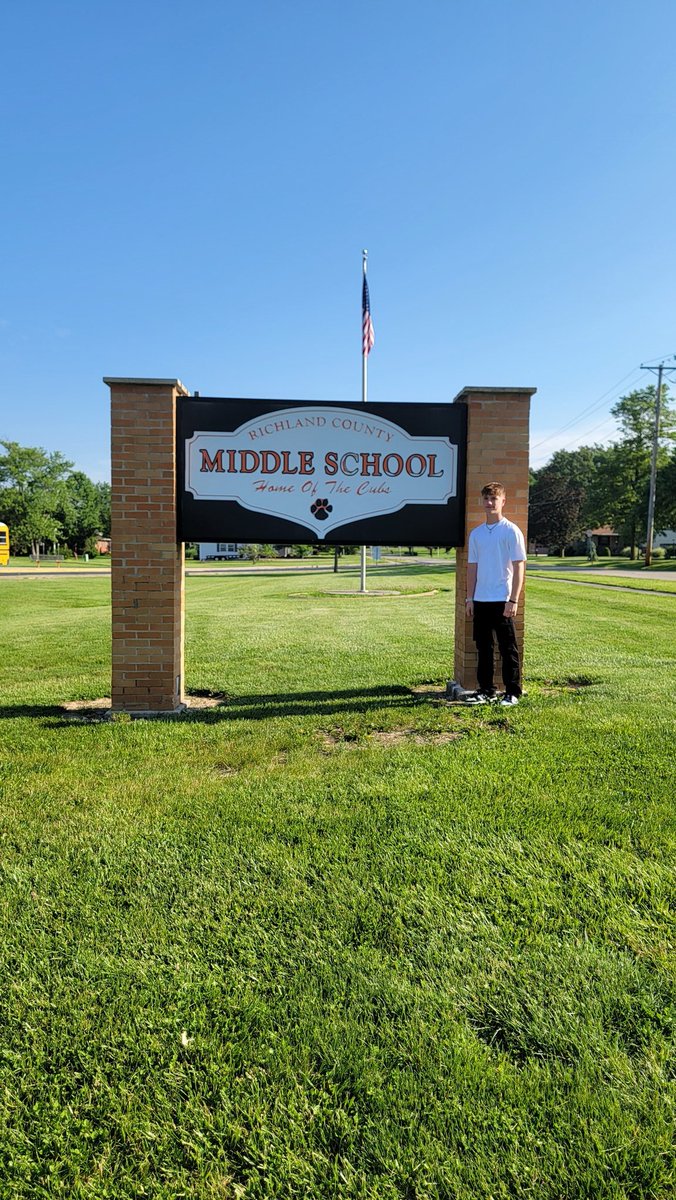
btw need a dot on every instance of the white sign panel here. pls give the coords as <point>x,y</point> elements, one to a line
<point>321,466</point>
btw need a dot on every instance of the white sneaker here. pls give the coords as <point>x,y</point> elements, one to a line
<point>509,701</point>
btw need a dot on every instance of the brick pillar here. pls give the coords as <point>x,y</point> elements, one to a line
<point>497,449</point>
<point>147,561</point>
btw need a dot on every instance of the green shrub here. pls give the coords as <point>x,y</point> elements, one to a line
<point>603,551</point>
<point>659,552</point>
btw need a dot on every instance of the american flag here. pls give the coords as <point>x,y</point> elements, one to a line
<point>368,333</point>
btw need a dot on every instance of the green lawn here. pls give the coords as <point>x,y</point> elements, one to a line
<point>666,584</point>
<point>324,558</point>
<point>601,564</point>
<point>333,937</point>
<point>47,562</point>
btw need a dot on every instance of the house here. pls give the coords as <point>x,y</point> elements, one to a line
<point>605,536</point>
<point>213,551</point>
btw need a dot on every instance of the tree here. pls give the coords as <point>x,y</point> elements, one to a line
<point>635,414</point>
<point>103,496</point>
<point>620,491</point>
<point>78,510</point>
<point>29,494</point>
<point>665,502</point>
<point>558,503</point>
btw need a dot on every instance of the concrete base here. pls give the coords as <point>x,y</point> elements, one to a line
<point>455,691</point>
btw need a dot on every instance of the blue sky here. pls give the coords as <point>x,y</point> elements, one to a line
<point>187,188</point>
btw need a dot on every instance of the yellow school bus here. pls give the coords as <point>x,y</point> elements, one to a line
<point>4,544</point>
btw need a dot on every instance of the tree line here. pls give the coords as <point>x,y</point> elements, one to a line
<point>609,485</point>
<point>45,502</point>
<point>48,504</point>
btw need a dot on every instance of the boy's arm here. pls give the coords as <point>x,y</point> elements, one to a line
<point>471,584</point>
<point>518,572</point>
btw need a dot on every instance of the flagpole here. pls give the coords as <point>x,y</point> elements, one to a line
<point>364,396</point>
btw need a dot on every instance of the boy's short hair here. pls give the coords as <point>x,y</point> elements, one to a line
<point>493,489</point>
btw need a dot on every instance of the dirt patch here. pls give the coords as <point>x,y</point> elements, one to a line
<point>574,683</point>
<point>395,737</point>
<point>433,693</point>
<point>86,712</point>
<point>391,737</point>
<point>337,737</point>
<point>103,703</point>
<point>100,709</point>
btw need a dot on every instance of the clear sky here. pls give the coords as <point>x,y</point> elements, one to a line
<point>187,188</point>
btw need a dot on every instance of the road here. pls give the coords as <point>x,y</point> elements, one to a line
<point>327,569</point>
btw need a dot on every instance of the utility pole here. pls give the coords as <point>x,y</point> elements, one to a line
<point>660,369</point>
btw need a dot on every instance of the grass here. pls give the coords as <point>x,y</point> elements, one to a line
<point>602,564</point>
<point>640,584</point>
<point>334,938</point>
<point>323,558</point>
<point>47,562</point>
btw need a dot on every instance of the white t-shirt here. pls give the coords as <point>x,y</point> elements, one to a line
<point>494,548</point>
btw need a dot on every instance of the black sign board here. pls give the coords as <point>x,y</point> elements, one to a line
<point>285,471</point>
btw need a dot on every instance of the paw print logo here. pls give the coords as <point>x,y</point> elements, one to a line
<point>321,509</point>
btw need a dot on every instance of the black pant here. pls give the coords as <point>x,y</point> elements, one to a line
<point>488,618</point>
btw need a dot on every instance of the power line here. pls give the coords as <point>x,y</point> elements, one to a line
<point>602,423</point>
<point>661,358</point>
<point>593,407</point>
<point>589,431</point>
<point>659,369</point>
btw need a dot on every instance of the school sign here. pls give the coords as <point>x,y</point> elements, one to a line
<point>288,471</point>
<point>188,468</point>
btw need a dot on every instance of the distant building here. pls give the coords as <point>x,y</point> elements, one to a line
<point>215,551</point>
<point>605,536</point>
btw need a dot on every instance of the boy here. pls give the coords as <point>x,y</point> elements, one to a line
<point>496,563</point>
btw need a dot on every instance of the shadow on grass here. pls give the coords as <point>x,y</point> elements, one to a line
<point>345,571</point>
<point>299,704</point>
<point>231,707</point>
<point>408,568</point>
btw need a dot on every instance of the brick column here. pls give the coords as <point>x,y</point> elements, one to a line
<point>147,561</point>
<point>497,449</point>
